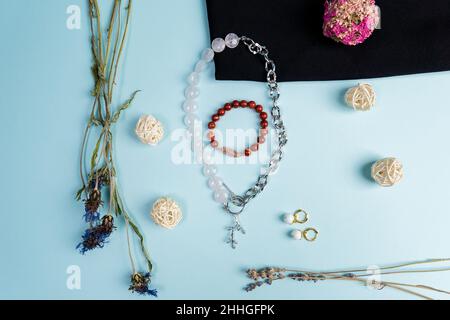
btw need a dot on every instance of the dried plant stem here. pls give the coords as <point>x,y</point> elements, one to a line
<point>392,285</point>
<point>99,30</point>
<point>110,29</point>
<point>114,55</point>
<point>410,292</point>
<point>267,275</point>
<point>122,43</point>
<point>121,211</point>
<point>83,146</point>
<point>106,60</point>
<point>409,264</point>
<point>133,265</point>
<point>395,286</point>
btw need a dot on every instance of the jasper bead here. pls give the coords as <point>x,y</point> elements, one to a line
<point>222,111</point>
<point>264,124</point>
<point>230,152</point>
<point>263,115</point>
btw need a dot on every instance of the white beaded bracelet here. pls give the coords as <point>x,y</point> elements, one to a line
<point>234,204</point>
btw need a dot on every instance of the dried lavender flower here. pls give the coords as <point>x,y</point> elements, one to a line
<point>92,205</point>
<point>250,287</point>
<point>97,236</point>
<point>252,274</point>
<point>140,284</point>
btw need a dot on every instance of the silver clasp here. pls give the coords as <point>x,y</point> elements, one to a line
<point>236,205</point>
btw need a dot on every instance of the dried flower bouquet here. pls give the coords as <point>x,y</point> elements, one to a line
<point>99,178</point>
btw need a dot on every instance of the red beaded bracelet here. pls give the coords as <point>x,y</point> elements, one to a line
<point>239,104</point>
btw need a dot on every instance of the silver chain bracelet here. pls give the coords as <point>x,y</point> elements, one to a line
<point>233,203</point>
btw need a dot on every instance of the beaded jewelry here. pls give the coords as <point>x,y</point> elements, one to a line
<point>234,204</point>
<point>309,234</point>
<point>299,216</point>
<point>222,111</point>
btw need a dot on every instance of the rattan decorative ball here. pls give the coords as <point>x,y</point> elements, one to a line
<point>387,172</point>
<point>361,98</point>
<point>166,213</point>
<point>149,130</point>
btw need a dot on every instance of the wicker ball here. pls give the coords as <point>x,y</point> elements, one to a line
<point>166,213</point>
<point>387,172</point>
<point>361,98</point>
<point>149,130</point>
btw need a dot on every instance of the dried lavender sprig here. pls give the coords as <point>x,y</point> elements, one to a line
<point>393,285</point>
<point>268,275</point>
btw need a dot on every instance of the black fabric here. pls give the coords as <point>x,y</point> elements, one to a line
<point>415,38</point>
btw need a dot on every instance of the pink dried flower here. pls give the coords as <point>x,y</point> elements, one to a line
<point>350,22</point>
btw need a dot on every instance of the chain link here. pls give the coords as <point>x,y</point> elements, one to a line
<point>237,203</point>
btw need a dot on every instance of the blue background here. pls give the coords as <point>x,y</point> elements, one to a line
<point>45,82</point>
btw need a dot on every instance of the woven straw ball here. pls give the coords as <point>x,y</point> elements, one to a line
<point>149,130</point>
<point>387,172</point>
<point>166,213</point>
<point>361,98</point>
